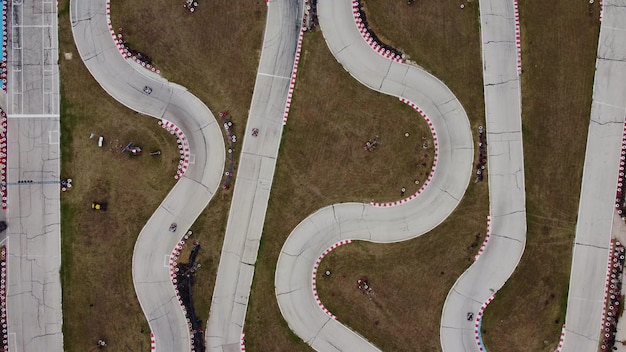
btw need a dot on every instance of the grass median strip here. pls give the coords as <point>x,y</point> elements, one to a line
<point>558,55</point>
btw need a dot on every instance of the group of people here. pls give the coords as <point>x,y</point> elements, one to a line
<point>228,127</point>
<point>184,281</point>
<point>371,144</point>
<point>482,154</point>
<point>391,49</point>
<point>614,299</point>
<point>310,20</point>
<point>191,5</point>
<point>364,285</point>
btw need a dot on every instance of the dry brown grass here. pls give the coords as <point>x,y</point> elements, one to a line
<point>216,58</point>
<point>558,59</point>
<point>98,296</point>
<point>411,279</point>
<point>322,162</point>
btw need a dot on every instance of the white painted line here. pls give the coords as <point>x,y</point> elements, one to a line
<point>31,26</point>
<point>611,105</point>
<point>192,158</point>
<point>53,137</point>
<point>33,116</point>
<point>166,264</point>
<point>270,75</point>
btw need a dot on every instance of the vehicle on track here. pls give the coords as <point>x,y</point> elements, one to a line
<point>147,90</point>
<point>173,227</point>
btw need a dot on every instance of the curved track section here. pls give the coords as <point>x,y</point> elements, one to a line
<point>507,198</point>
<point>125,81</point>
<point>357,221</point>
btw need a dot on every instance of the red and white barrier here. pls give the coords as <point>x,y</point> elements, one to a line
<point>518,38</point>
<point>242,342</point>
<point>314,276</point>
<point>367,36</point>
<point>486,241</point>
<point>292,84</point>
<point>3,64</point>
<point>477,323</point>
<point>173,270</point>
<point>601,11</point>
<point>620,178</point>
<point>117,39</point>
<point>4,346</point>
<point>3,159</point>
<point>183,146</point>
<point>152,342</point>
<point>432,170</point>
<point>561,340</point>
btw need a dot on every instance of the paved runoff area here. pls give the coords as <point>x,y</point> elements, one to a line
<point>34,246</point>
<point>585,304</point>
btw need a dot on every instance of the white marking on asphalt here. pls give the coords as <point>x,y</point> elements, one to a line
<point>53,137</point>
<point>611,105</point>
<point>34,116</point>
<point>274,76</point>
<point>167,261</point>
<point>31,26</point>
<point>192,158</point>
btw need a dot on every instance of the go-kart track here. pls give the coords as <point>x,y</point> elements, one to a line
<point>34,295</point>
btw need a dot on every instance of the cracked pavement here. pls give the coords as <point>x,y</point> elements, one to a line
<point>34,246</point>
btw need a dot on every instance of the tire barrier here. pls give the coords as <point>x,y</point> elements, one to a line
<point>124,49</point>
<point>190,5</point>
<point>518,38</point>
<point>482,154</point>
<point>3,62</point>
<point>4,346</point>
<point>182,280</point>
<point>487,236</point>
<point>314,276</point>
<point>152,342</point>
<point>368,35</point>
<point>612,296</point>
<point>183,146</point>
<point>432,170</point>
<point>242,342</point>
<point>3,159</point>
<point>230,168</point>
<point>309,19</point>
<point>292,85</point>
<point>620,196</point>
<point>478,322</point>
<point>601,9</point>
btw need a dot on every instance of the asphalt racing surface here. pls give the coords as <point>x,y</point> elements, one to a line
<point>357,221</point>
<point>33,210</point>
<point>125,82</point>
<point>585,302</point>
<point>254,177</point>
<point>507,197</point>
